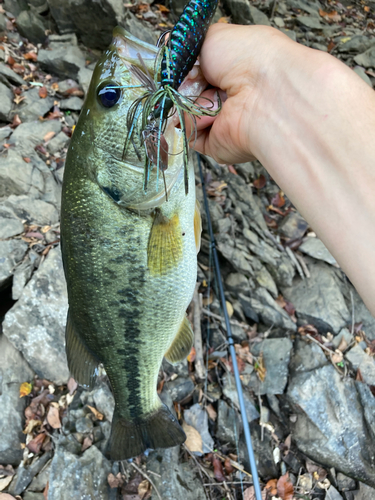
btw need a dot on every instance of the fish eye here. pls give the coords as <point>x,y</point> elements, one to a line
<point>109,95</point>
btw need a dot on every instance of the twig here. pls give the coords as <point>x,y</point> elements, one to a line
<point>295,261</point>
<point>147,477</point>
<point>273,9</point>
<point>271,237</point>
<point>353,317</point>
<point>199,363</point>
<point>220,318</point>
<point>200,467</point>
<point>303,264</point>
<point>325,349</point>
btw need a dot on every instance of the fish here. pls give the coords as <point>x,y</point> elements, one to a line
<point>129,255</point>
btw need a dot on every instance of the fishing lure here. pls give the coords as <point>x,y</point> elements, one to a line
<point>173,63</point>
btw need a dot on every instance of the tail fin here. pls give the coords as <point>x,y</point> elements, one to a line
<point>157,430</point>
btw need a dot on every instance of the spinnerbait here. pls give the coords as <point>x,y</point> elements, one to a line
<point>175,59</point>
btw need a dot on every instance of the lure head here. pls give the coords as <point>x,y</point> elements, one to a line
<point>99,138</point>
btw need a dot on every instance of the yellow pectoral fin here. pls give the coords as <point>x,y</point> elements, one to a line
<point>197,225</point>
<point>164,250</point>
<point>182,344</point>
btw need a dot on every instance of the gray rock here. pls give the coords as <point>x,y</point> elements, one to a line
<point>265,252</point>
<point>180,388</point>
<point>30,495</point>
<point>32,210</point>
<point>21,276</point>
<point>73,103</point>
<point>139,29</point>
<point>290,33</point>
<point>359,359</point>
<point>356,43</point>
<point>62,16</point>
<point>8,76</point>
<point>15,6</point>
<point>39,6</point>
<point>40,481</point>
<point>36,323</point>
<point>309,22</point>
<point>365,492</point>
<point>103,15</point>
<point>75,478</point>
<point>84,425</point>
<point>235,256</point>
<point>64,61</point>
<point>172,479</point>
<point>84,78</point>
<point>276,356</point>
<point>367,59</point>
<point>246,304</point>
<point>197,417</point>
<point>270,313</point>
<point>335,421</point>
<point>30,134</point>
<point>5,132</point>
<point>293,226</point>
<point>34,106</point>
<point>306,357</point>
<point>246,170</point>
<point>333,494</point>
<point>258,17</point>
<point>343,334</point>
<point>263,445</point>
<point>284,271</point>
<point>228,423</point>
<point>237,283</point>
<point>316,248</point>
<point>19,177</point>
<point>345,483</point>
<point>31,26</point>
<point>11,253</point>
<point>58,142</point>
<point>13,371</point>
<point>265,280</point>
<point>25,474</point>
<point>361,313</point>
<point>230,391</point>
<point>311,7</point>
<point>10,227</point>
<point>362,74</point>
<point>104,401</point>
<point>318,300</point>
<point>6,103</point>
<point>319,46</point>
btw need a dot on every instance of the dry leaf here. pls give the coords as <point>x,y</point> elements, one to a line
<point>285,488</point>
<point>48,136</point>
<point>87,442</point>
<point>26,159</point>
<point>278,200</point>
<point>115,481</point>
<point>25,389</point>
<point>211,412</point>
<point>191,356</point>
<point>97,413</point>
<point>232,170</point>
<point>337,357</point>
<point>229,308</point>
<point>162,8</point>
<point>45,491</point>
<point>228,466</point>
<point>218,469</point>
<point>260,368</point>
<point>43,92</point>
<point>271,487</point>
<point>343,345</point>
<point>11,61</point>
<point>53,417</point>
<point>35,445</point>
<point>225,20</point>
<point>193,438</point>
<point>144,489</point>
<point>4,482</point>
<point>31,426</point>
<point>260,182</point>
<point>31,56</point>
<point>249,494</point>
<point>72,384</point>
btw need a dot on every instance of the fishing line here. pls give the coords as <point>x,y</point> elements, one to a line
<point>232,350</point>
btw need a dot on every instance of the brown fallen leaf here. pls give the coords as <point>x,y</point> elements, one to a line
<point>97,413</point>
<point>4,482</point>
<point>43,92</point>
<point>285,488</point>
<point>31,56</point>
<point>72,384</point>
<point>115,481</point>
<point>260,182</point>
<point>218,469</point>
<point>191,356</point>
<point>25,389</point>
<point>225,20</point>
<point>45,491</point>
<point>337,357</point>
<point>260,368</point>
<point>232,170</point>
<point>35,444</point>
<point>278,200</point>
<point>228,466</point>
<point>193,438</point>
<point>249,494</point>
<point>31,426</point>
<point>87,442</point>
<point>53,417</point>
<point>271,487</point>
<point>211,412</point>
<point>11,61</point>
<point>16,121</point>
<point>144,489</point>
<point>49,136</point>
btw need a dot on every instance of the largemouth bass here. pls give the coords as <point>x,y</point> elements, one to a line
<point>129,256</point>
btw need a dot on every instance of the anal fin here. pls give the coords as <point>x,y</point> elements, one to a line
<point>197,225</point>
<point>82,364</point>
<point>182,344</point>
<point>164,250</point>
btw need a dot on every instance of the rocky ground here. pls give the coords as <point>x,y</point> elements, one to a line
<point>305,341</point>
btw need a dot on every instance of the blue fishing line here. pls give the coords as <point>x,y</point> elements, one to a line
<point>232,350</point>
